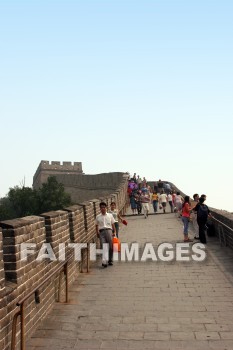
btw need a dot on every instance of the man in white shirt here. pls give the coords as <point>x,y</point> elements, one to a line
<point>104,230</point>
<point>169,199</point>
<point>163,200</point>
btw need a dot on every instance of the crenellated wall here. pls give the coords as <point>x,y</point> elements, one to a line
<point>86,187</point>
<point>81,187</point>
<point>75,224</point>
<point>46,169</point>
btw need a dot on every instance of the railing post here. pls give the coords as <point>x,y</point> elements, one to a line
<point>13,334</point>
<point>22,306</point>
<point>67,281</point>
<point>81,262</point>
<point>224,236</point>
<point>219,235</point>
<point>88,255</point>
<point>59,286</point>
<point>22,326</point>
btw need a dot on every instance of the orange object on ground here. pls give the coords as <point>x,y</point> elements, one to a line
<point>116,244</point>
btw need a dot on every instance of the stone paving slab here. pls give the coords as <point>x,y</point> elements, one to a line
<point>146,305</point>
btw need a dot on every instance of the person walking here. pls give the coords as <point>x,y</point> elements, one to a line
<point>186,209</point>
<point>145,199</point>
<point>155,200</point>
<point>160,186</point>
<point>116,216</point>
<point>178,200</point>
<point>104,229</point>
<point>169,199</point>
<point>133,203</point>
<point>138,202</point>
<point>163,200</point>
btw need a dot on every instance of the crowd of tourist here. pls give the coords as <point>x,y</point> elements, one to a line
<point>141,194</point>
<point>162,196</point>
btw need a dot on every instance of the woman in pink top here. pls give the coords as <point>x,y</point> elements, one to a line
<point>186,208</point>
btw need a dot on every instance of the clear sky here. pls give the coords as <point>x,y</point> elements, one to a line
<point>120,85</point>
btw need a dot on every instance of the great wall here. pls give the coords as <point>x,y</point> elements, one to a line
<point>70,225</point>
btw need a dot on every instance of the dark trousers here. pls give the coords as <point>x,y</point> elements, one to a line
<point>155,206</point>
<point>117,228</point>
<point>106,237</point>
<point>171,205</point>
<point>202,230</point>
<point>139,208</point>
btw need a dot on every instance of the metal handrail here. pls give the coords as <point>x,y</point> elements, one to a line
<point>221,232</point>
<point>222,223</point>
<point>20,303</point>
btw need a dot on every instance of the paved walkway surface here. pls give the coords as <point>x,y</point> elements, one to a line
<point>147,305</point>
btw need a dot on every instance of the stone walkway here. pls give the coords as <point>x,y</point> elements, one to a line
<point>147,305</point>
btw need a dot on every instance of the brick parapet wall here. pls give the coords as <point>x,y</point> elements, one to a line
<point>73,224</point>
<point>89,216</point>
<point>76,223</point>
<point>82,187</point>
<point>57,229</point>
<point>96,207</point>
<point>20,276</point>
<point>24,230</point>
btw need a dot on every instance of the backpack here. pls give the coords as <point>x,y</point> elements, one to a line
<point>202,213</point>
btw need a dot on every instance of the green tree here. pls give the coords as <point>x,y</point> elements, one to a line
<point>25,201</point>
<point>19,202</point>
<point>52,196</point>
<point>7,211</point>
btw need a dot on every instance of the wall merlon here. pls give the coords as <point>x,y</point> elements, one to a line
<point>75,223</point>
<point>74,208</point>
<point>53,214</point>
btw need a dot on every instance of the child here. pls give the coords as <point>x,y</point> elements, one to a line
<point>116,216</point>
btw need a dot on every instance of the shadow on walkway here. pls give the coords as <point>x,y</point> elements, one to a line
<point>147,305</point>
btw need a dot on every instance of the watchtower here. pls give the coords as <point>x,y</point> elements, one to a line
<point>46,169</point>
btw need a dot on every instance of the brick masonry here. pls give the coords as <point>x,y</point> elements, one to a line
<point>81,187</point>
<point>72,225</point>
<point>75,224</point>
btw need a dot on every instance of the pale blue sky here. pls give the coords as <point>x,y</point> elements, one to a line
<point>142,86</point>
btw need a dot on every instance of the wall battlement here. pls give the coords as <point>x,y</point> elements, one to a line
<point>47,168</point>
<point>75,224</point>
<point>81,187</point>
<point>46,164</point>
